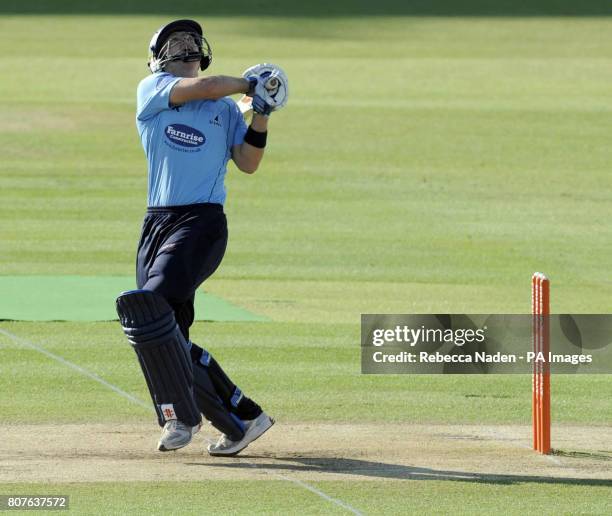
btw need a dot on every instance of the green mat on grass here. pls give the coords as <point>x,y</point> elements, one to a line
<point>90,298</point>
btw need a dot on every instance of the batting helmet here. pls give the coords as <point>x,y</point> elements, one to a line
<point>159,49</point>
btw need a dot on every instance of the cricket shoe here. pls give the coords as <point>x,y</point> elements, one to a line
<point>175,435</point>
<point>253,429</point>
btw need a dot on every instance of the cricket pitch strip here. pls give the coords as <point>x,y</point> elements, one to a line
<point>308,451</point>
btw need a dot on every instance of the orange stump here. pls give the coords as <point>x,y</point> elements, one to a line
<point>540,308</point>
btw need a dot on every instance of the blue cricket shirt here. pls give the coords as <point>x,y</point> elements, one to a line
<point>187,147</point>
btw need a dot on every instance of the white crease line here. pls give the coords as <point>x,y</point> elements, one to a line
<point>519,444</point>
<point>121,392</point>
<point>320,493</point>
<point>546,456</point>
<point>72,365</point>
<point>308,487</point>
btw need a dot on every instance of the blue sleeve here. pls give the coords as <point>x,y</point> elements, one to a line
<point>154,95</point>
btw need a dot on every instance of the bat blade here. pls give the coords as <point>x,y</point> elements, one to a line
<point>245,104</point>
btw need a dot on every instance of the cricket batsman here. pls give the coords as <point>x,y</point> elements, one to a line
<point>190,129</point>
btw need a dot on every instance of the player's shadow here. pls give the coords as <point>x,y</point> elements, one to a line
<point>367,468</point>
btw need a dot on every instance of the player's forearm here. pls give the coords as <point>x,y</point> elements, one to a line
<point>212,88</point>
<point>221,86</point>
<point>250,158</point>
<point>252,150</point>
<point>259,123</point>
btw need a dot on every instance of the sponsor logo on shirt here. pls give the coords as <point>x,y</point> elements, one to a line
<point>184,135</point>
<point>216,121</point>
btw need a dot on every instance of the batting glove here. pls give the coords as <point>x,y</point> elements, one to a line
<point>253,80</point>
<point>272,86</point>
<point>261,107</point>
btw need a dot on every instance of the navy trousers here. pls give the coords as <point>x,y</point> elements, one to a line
<point>179,248</point>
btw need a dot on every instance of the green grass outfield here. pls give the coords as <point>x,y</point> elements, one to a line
<point>423,164</point>
<point>275,497</point>
<point>304,372</point>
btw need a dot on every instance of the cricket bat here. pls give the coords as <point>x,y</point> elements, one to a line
<point>245,104</point>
